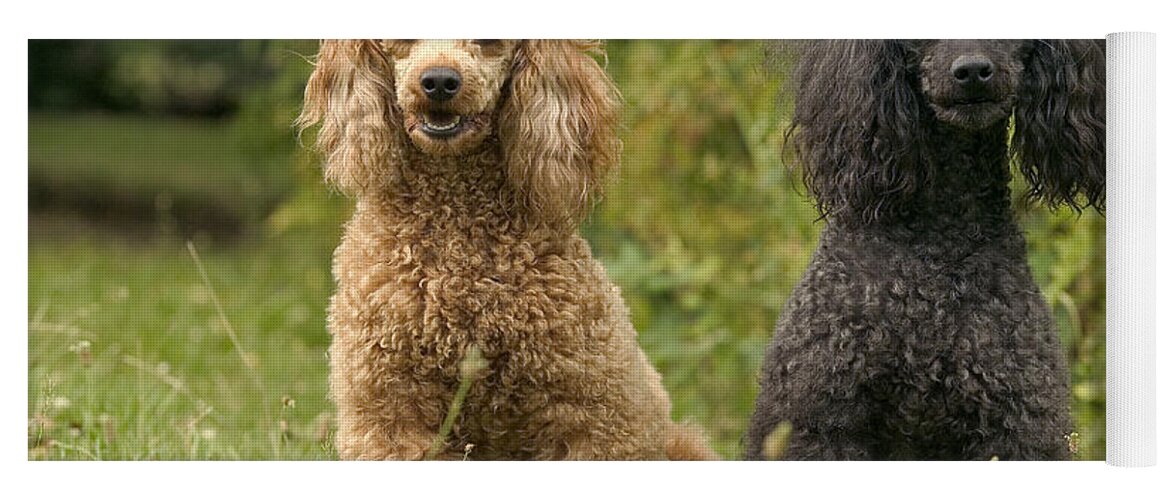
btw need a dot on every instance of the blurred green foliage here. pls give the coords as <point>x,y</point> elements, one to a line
<point>201,78</point>
<point>701,228</point>
<point>168,161</point>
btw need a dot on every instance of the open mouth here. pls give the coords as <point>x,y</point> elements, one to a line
<point>445,131</point>
<point>441,123</point>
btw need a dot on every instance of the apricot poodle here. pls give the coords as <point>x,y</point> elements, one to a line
<point>472,163</point>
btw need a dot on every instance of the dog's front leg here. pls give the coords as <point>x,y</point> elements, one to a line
<point>383,413</point>
<point>389,423</point>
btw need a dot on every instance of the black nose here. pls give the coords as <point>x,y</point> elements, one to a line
<point>969,70</point>
<point>440,84</point>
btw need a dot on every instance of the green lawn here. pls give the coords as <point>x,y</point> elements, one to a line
<point>128,358</point>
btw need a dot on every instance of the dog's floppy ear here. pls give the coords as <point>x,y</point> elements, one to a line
<point>351,93</point>
<point>856,128</point>
<point>558,127</point>
<point>1060,123</point>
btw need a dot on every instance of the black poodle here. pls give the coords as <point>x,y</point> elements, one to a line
<point>917,331</point>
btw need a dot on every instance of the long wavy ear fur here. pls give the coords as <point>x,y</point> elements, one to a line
<point>1060,121</point>
<point>856,128</point>
<point>558,127</point>
<point>350,94</point>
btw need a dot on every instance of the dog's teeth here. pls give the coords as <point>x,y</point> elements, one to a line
<point>444,127</point>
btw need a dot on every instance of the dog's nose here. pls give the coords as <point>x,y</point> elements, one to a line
<point>440,84</point>
<point>969,70</point>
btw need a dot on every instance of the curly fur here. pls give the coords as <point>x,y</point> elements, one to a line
<point>470,240</point>
<point>917,331</point>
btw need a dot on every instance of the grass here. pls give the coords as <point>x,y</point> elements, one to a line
<point>130,360</point>
<point>133,356</point>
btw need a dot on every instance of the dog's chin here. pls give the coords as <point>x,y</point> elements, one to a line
<point>442,133</point>
<point>973,115</point>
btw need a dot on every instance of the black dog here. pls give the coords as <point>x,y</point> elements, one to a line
<point>917,331</point>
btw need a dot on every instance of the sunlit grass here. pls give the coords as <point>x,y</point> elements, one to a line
<point>128,358</point>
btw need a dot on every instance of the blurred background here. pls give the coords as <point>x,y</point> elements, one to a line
<point>158,168</point>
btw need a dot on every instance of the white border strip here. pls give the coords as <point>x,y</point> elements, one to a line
<point>1130,249</point>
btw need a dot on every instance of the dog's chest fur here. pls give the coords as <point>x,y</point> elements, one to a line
<point>931,298</point>
<point>450,262</point>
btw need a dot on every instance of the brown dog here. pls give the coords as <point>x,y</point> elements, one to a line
<point>472,163</point>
